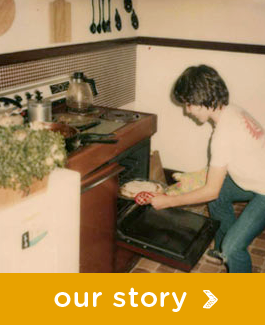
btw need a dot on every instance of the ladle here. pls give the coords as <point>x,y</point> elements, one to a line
<point>104,23</point>
<point>99,13</point>
<point>93,27</point>
<point>128,5</point>
<point>108,21</point>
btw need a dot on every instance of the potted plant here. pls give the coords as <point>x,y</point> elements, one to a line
<point>27,156</point>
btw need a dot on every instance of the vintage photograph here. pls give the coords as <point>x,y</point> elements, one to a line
<point>132,136</point>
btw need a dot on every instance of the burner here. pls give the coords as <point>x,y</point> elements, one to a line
<point>94,111</point>
<point>120,116</point>
<point>75,120</point>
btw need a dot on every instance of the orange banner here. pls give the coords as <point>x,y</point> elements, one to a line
<point>131,298</point>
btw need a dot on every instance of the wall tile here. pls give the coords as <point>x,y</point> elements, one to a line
<point>114,71</point>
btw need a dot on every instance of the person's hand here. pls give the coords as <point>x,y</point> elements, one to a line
<point>161,201</point>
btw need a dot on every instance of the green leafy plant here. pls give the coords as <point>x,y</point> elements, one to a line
<point>27,155</point>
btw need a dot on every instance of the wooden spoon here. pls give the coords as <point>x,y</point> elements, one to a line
<point>7,15</point>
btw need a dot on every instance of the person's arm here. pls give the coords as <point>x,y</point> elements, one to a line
<point>210,191</point>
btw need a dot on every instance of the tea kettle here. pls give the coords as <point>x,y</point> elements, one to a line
<point>79,96</point>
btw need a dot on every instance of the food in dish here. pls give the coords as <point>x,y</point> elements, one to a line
<point>132,188</point>
<point>6,120</point>
<point>69,118</point>
<point>38,125</point>
<point>73,119</point>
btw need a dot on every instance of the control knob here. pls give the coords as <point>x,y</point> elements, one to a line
<point>18,98</point>
<point>38,95</point>
<point>28,95</point>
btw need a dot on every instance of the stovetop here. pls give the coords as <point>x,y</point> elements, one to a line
<point>109,120</point>
<point>107,123</point>
<point>54,89</point>
<point>15,101</point>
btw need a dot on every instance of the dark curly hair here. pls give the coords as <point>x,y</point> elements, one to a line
<point>201,86</point>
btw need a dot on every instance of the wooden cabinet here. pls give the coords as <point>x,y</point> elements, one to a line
<point>98,220</point>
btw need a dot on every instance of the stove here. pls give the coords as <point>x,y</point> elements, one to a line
<point>15,101</point>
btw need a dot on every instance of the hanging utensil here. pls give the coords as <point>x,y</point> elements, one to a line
<point>134,20</point>
<point>128,5</point>
<point>93,26</point>
<point>118,20</point>
<point>99,15</point>
<point>104,23</point>
<point>108,21</point>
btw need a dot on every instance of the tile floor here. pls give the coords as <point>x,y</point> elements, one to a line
<point>256,249</point>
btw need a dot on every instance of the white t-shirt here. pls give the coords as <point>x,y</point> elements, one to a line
<point>238,142</point>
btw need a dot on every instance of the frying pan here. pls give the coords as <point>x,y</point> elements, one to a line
<point>66,131</point>
<point>74,138</point>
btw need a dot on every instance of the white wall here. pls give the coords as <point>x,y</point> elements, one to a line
<point>183,144</point>
<point>30,29</point>
<point>236,21</point>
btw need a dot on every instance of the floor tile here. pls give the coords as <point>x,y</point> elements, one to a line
<point>148,264</point>
<point>164,269</point>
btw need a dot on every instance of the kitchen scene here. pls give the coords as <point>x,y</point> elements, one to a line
<point>88,127</point>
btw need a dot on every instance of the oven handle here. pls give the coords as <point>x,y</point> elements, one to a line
<point>103,175</point>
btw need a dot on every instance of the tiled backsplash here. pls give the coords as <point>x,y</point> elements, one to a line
<point>114,71</point>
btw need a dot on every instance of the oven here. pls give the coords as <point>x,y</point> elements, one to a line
<point>174,236</point>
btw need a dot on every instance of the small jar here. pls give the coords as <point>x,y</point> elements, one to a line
<point>40,110</point>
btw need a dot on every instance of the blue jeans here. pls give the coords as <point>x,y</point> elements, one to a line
<point>236,234</point>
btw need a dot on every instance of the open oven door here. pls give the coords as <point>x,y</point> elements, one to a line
<point>173,236</point>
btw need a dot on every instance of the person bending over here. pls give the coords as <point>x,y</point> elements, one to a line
<point>237,166</point>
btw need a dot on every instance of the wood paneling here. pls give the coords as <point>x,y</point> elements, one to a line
<point>202,45</point>
<point>31,55</point>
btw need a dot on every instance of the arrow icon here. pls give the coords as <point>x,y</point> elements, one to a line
<point>212,299</point>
